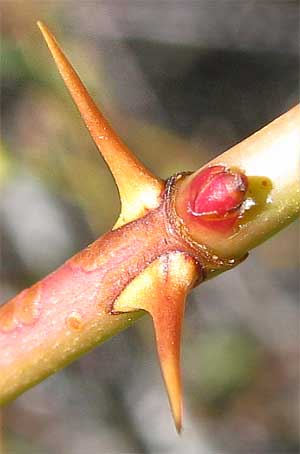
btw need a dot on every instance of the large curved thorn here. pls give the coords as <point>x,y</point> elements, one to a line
<point>161,290</point>
<point>139,189</point>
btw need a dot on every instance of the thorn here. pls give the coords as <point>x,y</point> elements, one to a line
<point>161,290</point>
<point>167,323</point>
<point>139,190</point>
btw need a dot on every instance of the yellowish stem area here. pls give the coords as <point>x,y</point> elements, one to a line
<point>38,363</point>
<point>271,160</point>
<point>272,153</point>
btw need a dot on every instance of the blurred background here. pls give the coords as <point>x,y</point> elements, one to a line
<point>181,81</point>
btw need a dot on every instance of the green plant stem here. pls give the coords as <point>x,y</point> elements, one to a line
<point>271,160</point>
<point>40,361</point>
<point>272,154</point>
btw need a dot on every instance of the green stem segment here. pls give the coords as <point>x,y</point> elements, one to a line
<point>32,347</point>
<point>271,161</point>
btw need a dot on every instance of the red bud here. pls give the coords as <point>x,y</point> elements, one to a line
<point>214,197</point>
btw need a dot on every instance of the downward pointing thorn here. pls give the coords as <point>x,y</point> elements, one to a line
<point>161,291</point>
<point>167,325</point>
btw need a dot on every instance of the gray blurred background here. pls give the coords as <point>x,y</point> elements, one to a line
<point>181,81</point>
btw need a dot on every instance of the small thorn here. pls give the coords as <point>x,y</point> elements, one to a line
<point>161,290</point>
<point>178,428</point>
<point>168,326</point>
<point>139,189</point>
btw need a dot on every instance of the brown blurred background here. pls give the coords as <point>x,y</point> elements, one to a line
<point>181,81</point>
